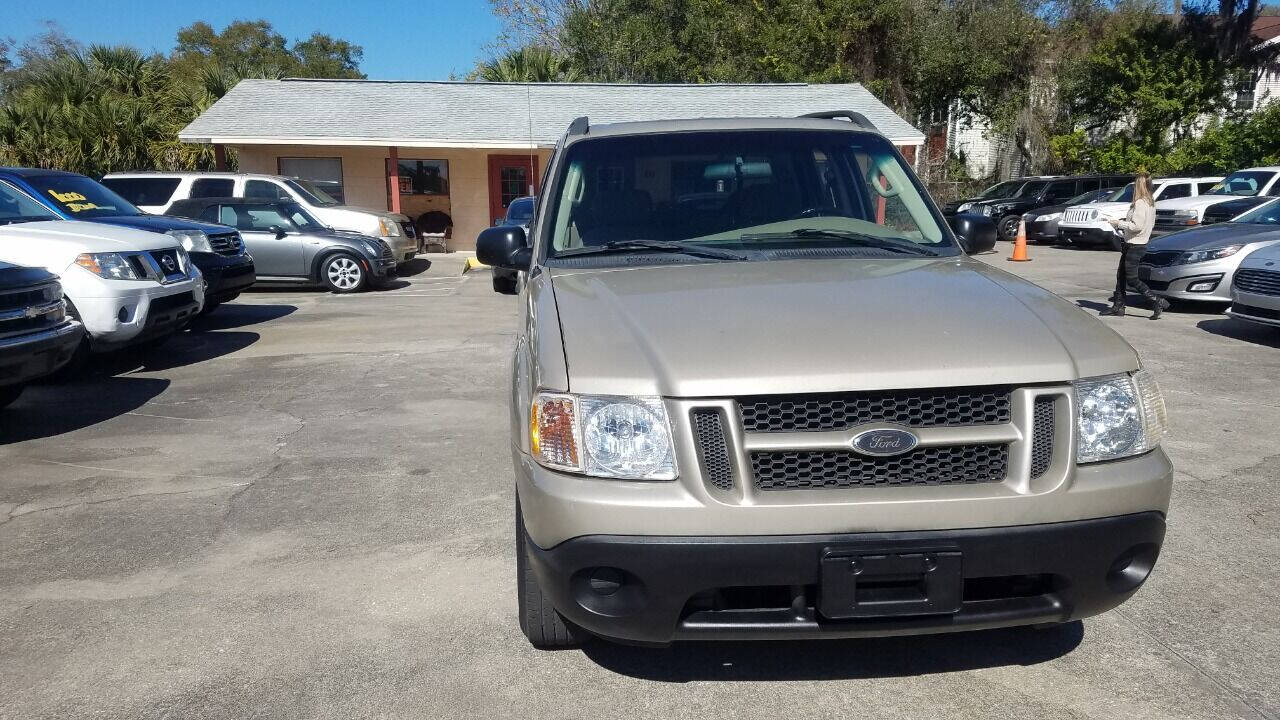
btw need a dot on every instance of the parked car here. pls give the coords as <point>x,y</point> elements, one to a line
<point>36,335</point>
<point>216,250</point>
<point>1005,189</point>
<point>519,212</point>
<point>393,228</point>
<point>1173,214</point>
<point>1255,288</point>
<point>1088,225</point>
<point>1007,212</point>
<point>1198,264</point>
<point>125,286</point>
<point>820,418</point>
<point>1231,209</point>
<point>289,244</point>
<point>1042,223</point>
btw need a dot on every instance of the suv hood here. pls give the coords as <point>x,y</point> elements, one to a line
<point>17,276</point>
<point>54,244</point>
<point>163,223</point>
<point>1216,235</point>
<point>727,329</point>
<point>1196,202</point>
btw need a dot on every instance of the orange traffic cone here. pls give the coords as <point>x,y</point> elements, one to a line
<point>1020,245</point>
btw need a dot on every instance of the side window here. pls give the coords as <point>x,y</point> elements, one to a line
<point>1060,191</point>
<point>1175,190</point>
<point>264,190</point>
<point>144,190</point>
<point>1204,187</point>
<point>212,187</point>
<point>210,214</point>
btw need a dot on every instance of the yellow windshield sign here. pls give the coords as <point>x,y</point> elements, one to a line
<point>74,201</point>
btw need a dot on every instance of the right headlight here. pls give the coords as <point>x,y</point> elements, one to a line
<point>192,240</point>
<point>1050,216</point>
<point>607,436</point>
<point>109,265</point>
<point>1118,416</point>
<point>964,207</point>
<point>388,228</point>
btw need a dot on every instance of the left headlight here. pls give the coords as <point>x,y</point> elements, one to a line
<point>605,436</point>
<point>388,228</point>
<point>964,208</point>
<point>191,240</point>
<point>1199,256</point>
<point>1050,216</point>
<point>1118,416</point>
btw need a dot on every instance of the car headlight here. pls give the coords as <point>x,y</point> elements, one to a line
<point>985,210</point>
<point>388,228</point>
<point>109,265</point>
<point>1199,256</point>
<point>603,436</point>
<point>1050,216</point>
<point>1118,416</point>
<point>191,240</point>
<point>964,207</point>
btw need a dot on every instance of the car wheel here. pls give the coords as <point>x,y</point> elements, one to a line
<point>541,623</point>
<point>504,284</point>
<point>9,393</point>
<point>342,273</point>
<point>1009,228</point>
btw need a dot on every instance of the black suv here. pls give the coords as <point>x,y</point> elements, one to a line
<point>1037,193</point>
<point>36,336</point>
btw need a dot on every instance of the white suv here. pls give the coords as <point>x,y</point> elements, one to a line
<point>125,285</point>
<point>150,192</point>
<point>1090,224</point>
<point>1182,213</point>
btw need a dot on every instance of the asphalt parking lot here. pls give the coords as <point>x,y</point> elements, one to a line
<point>304,509</point>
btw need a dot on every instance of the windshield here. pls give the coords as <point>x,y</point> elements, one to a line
<point>1000,190</point>
<point>1124,194</point>
<point>17,207</point>
<point>1089,197</point>
<point>310,192</point>
<point>1245,183</point>
<point>519,211</point>
<point>742,190</point>
<point>81,197</point>
<point>1266,214</point>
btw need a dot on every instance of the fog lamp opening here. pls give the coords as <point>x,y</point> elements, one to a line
<point>1131,568</point>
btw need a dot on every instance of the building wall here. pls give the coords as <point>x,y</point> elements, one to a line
<point>365,182</point>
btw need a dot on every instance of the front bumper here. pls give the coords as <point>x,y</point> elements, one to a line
<point>1174,281</point>
<point>1255,308</point>
<point>664,588</point>
<point>225,276</point>
<point>1090,236</point>
<point>405,247</point>
<point>1046,231</point>
<point>136,311</point>
<point>27,357</point>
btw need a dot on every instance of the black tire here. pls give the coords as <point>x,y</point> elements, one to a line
<point>504,284</point>
<point>342,273</point>
<point>539,620</point>
<point>80,358</point>
<point>9,393</point>
<point>1008,227</point>
<point>208,308</point>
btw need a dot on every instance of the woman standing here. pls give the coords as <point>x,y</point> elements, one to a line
<point>1136,229</point>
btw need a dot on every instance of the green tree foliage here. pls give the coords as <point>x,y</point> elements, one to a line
<point>530,63</point>
<point>248,48</point>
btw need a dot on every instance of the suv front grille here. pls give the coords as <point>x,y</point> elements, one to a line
<point>1075,215</point>
<point>31,309</point>
<point>168,264</point>
<point>1259,282</point>
<point>1042,432</point>
<point>713,448</point>
<point>951,465</point>
<point>226,243</point>
<point>839,411</point>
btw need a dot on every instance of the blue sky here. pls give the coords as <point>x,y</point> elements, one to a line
<point>402,39</point>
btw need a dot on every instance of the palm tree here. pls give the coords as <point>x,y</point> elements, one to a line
<point>531,63</point>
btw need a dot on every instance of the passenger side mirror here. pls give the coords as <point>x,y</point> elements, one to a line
<point>977,233</point>
<point>279,231</point>
<point>504,247</point>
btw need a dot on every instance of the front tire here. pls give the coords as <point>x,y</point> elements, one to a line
<point>9,393</point>
<point>342,273</point>
<point>539,620</point>
<point>1008,228</point>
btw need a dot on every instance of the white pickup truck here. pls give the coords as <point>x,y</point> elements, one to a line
<point>126,286</point>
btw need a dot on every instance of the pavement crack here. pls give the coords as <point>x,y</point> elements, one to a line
<point>15,513</point>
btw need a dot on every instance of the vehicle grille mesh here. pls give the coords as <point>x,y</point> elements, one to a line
<point>1161,258</point>
<point>1260,282</point>
<point>713,448</point>
<point>226,243</point>
<point>1042,433</point>
<point>839,411</point>
<point>953,465</point>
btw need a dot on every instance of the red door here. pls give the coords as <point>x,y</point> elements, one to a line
<point>510,177</point>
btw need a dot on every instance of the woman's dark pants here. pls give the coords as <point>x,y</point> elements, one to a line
<point>1127,272</point>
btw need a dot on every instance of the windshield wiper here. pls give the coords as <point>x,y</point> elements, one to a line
<point>864,239</point>
<point>623,246</point>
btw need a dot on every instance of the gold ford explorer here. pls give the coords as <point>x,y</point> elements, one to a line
<point>760,390</point>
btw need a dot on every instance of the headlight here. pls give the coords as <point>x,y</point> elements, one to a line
<point>191,240</point>
<point>1118,416</point>
<point>1199,256</point>
<point>1050,216</point>
<point>388,228</point>
<point>604,436</point>
<point>985,210</point>
<point>112,266</point>
<point>964,207</point>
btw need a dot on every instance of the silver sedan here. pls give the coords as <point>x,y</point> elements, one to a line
<point>1198,264</point>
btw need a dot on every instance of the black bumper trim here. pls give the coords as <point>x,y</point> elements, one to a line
<point>225,276</point>
<point>1077,561</point>
<point>28,357</point>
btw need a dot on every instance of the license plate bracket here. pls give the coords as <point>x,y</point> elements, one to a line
<point>861,583</point>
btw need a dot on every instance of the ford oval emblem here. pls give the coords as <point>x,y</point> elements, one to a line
<point>884,441</point>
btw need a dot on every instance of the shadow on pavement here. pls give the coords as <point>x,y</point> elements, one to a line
<point>393,284</point>
<point>45,410</point>
<point>237,315</point>
<point>416,266</point>
<point>179,350</point>
<point>838,659</point>
<point>1240,330</point>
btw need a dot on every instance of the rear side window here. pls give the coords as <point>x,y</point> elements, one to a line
<point>143,191</point>
<point>212,188</point>
<point>263,190</point>
<point>210,214</point>
<point>1178,190</point>
<point>1060,191</point>
<point>1204,187</point>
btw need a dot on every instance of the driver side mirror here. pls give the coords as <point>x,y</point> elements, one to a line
<point>279,232</point>
<point>977,233</point>
<point>504,247</point>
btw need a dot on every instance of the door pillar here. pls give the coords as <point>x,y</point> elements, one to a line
<point>393,180</point>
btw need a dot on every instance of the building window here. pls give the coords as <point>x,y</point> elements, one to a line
<point>514,183</point>
<point>323,172</point>
<point>423,177</point>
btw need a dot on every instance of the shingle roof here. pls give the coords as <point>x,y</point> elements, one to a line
<point>356,112</point>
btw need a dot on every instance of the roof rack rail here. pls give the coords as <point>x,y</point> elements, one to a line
<point>580,126</point>
<point>856,118</point>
